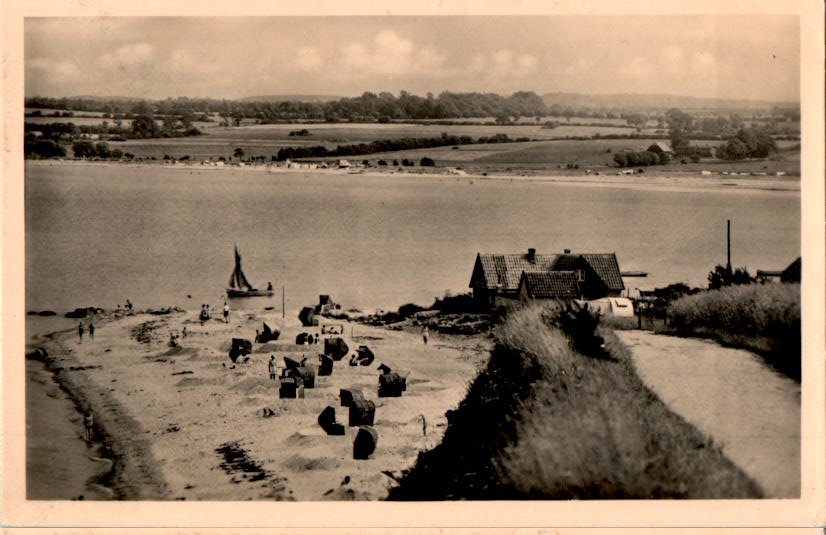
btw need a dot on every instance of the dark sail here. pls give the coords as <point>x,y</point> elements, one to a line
<point>237,279</point>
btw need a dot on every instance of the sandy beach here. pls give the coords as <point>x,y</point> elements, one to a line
<point>186,425</point>
<point>653,179</point>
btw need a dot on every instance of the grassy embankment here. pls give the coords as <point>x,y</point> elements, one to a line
<point>546,421</point>
<point>763,318</point>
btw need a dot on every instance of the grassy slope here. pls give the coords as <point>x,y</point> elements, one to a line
<point>764,318</point>
<point>543,421</point>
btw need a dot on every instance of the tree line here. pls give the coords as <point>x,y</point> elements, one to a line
<point>368,106</point>
<point>142,126</point>
<point>389,145</point>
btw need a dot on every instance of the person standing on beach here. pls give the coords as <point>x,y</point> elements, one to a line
<point>424,334</point>
<point>80,330</point>
<point>88,424</point>
<point>91,330</point>
<point>272,367</point>
<point>226,312</point>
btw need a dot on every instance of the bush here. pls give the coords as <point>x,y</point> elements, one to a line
<point>46,148</point>
<point>427,162</point>
<point>117,154</point>
<point>764,318</point>
<point>747,143</point>
<point>408,163</point>
<point>635,159</point>
<point>407,310</point>
<point>719,277</point>
<point>456,304</point>
<point>102,150</point>
<point>83,149</point>
<point>382,163</point>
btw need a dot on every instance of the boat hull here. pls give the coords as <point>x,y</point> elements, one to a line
<point>231,292</point>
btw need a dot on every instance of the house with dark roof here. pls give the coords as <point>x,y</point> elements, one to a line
<point>498,276</point>
<point>548,285</point>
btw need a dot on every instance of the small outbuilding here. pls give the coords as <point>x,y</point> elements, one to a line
<point>660,147</point>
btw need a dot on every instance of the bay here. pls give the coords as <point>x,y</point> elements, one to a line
<point>97,235</point>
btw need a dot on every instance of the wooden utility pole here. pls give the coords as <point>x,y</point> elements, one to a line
<point>728,248</point>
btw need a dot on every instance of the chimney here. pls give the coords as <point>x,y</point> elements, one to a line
<point>531,255</point>
<point>567,251</point>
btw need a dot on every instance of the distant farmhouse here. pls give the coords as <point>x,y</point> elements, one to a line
<point>503,279</point>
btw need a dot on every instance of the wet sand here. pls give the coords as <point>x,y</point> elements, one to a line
<point>60,464</point>
<point>185,425</point>
<point>749,409</point>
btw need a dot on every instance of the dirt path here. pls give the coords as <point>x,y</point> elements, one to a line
<point>731,395</point>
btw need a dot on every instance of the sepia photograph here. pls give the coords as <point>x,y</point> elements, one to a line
<point>415,257</point>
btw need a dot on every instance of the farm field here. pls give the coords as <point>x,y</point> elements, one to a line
<point>533,156</point>
<point>80,121</point>
<point>363,132</point>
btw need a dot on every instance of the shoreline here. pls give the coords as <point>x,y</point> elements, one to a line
<point>136,440</point>
<point>674,181</point>
<point>60,364</point>
<point>78,467</point>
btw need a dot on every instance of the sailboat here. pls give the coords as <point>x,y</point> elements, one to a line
<point>239,286</point>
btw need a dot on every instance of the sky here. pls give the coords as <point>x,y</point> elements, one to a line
<point>751,57</point>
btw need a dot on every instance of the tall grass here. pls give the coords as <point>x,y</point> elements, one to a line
<point>544,421</point>
<point>764,318</point>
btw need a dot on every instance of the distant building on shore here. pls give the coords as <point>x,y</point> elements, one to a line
<point>503,279</point>
<point>790,274</point>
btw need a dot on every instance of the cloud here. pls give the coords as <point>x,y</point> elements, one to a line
<point>127,56</point>
<point>638,66</point>
<point>503,64</point>
<point>49,66</point>
<point>390,54</point>
<point>703,63</point>
<point>580,66</point>
<point>183,63</point>
<point>308,58</point>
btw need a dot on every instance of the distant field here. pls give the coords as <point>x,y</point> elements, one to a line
<point>592,152</point>
<point>49,111</point>
<point>534,155</point>
<point>80,121</point>
<point>198,148</point>
<point>359,133</point>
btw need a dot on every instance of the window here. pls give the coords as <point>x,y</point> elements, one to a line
<point>580,275</point>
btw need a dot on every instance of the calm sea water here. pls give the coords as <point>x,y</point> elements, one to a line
<point>97,235</point>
